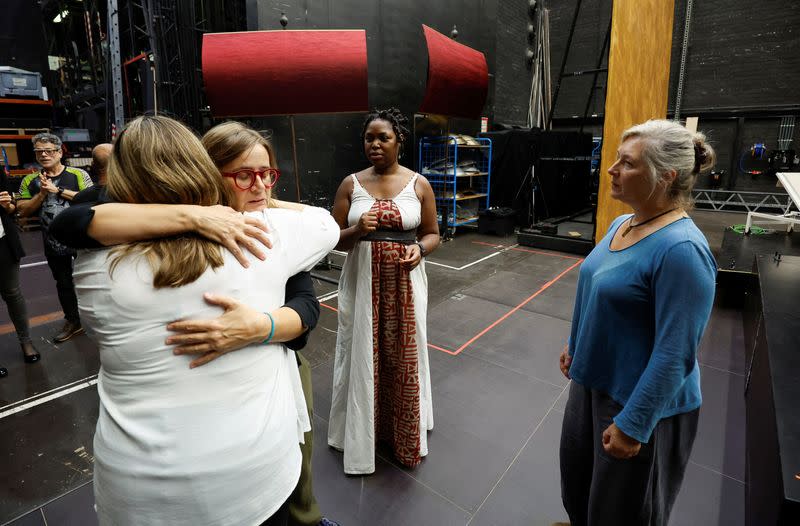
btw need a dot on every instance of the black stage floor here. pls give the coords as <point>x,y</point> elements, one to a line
<point>499,315</point>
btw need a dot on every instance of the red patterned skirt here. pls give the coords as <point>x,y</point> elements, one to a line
<point>394,344</point>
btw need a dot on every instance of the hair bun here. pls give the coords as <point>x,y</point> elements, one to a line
<point>704,155</point>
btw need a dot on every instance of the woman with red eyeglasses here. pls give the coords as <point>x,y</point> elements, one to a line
<point>245,160</point>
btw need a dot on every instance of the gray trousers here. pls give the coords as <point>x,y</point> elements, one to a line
<point>600,490</point>
<point>11,293</point>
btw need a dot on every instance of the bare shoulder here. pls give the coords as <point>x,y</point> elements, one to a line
<point>422,185</point>
<point>423,181</point>
<point>346,185</point>
<point>364,175</point>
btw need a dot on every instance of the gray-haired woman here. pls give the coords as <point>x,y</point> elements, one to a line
<point>644,298</point>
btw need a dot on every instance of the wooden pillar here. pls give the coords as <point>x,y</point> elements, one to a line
<point>638,84</point>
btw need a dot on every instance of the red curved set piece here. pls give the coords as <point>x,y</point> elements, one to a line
<point>458,78</point>
<point>285,72</point>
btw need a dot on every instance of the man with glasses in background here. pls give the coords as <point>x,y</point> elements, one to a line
<point>49,192</point>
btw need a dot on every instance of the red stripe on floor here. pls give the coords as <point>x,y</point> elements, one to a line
<point>448,351</point>
<point>334,309</point>
<point>515,309</point>
<point>429,345</point>
<point>33,322</point>
<point>506,315</point>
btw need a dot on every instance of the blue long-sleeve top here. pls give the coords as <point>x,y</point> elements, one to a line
<point>640,313</point>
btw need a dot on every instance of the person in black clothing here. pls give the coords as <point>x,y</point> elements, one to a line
<point>100,157</point>
<point>11,252</point>
<point>46,194</point>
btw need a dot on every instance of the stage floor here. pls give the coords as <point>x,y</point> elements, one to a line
<point>499,315</point>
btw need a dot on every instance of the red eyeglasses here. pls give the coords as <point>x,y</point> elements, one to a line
<point>245,179</point>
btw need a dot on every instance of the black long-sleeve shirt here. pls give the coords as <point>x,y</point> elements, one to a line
<point>71,227</point>
<point>11,237</point>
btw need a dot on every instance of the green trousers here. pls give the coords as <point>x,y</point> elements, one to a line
<point>303,507</point>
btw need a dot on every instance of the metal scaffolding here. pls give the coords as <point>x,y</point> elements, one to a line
<point>116,63</point>
<point>120,58</point>
<point>733,201</point>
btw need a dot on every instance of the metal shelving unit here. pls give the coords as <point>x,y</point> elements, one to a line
<point>460,175</point>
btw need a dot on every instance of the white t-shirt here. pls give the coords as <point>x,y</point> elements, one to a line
<point>215,445</point>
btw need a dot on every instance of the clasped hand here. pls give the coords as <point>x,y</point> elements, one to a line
<point>411,258</point>
<point>615,442</point>
<point>232,230</point>
<point>238,327</point>
<point>564,361</point>
<point>47,185</point>
<point>6,202</point>
<point>368,222</point>
<point>618,444</point>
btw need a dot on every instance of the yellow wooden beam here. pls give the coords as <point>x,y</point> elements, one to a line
<point>638,83</point>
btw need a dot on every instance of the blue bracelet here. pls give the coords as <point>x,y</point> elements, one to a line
<point>271,328</point>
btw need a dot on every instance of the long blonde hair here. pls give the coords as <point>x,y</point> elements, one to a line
<point>159,160</point>
<point>228,141</point>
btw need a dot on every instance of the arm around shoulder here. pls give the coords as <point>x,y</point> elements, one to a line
<point>71,227</point>
<point>309,235</point>
<point>286,205</point>
<point>118,223</point>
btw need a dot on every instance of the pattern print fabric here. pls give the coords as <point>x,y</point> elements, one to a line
<point>381,372</point>
<point>394,343</point>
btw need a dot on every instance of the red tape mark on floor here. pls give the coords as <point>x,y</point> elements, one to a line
<point>515,309</point>
<point>520,249</point>
<point>429,345</point>
<point>502,318</point>
<point>448,351</point>
<point>33,322</point>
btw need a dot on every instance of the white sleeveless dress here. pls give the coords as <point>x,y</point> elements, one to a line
<point>381,386</point>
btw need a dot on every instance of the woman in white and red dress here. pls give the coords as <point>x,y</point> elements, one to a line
<point>381,377</point>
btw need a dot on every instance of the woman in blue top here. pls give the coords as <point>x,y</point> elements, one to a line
<point>643,301</point>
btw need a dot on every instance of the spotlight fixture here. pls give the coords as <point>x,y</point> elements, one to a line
<point>531,35</point>
<point>529,56</point>
<point>61,16</point>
